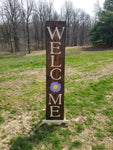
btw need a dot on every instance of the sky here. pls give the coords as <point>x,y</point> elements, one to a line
<point>87,5</point>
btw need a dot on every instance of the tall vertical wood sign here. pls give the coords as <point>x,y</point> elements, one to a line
<point>55,65</point>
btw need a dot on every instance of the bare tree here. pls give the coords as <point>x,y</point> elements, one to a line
<point>55,16</point>
<point>49,10</point>
<point>27,12</point>
<point>67,11</point>
<point>36,31</point>
<point>11,12</point>
<point>84,25</point>
<point>75,27</point>
<point>23,26</point>
<point>97,9</point>
<point>41,14</point>
<point>6,30</point>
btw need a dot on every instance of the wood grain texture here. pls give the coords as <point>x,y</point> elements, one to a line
<point>58,59</point>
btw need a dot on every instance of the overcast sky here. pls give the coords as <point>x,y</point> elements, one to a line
<point>87,5</point>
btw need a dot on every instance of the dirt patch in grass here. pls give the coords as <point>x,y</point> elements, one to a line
<point>69,73</point>
<point>87,136</point>
<point>38,72</point>
<point>104,70</point>
<point>16,83</point>
<point>40,52</point>
<point>20,124</point>
<point>40,77</point>
<point>107,70</point>
<point>109,144</point>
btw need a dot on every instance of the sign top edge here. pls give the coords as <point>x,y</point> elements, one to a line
<point>55,21</point>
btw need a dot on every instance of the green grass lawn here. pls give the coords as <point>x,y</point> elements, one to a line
<point>88,103</point>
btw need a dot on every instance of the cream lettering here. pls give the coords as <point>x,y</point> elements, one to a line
<point>53,61</point>
<point>58,99</point>
<point>52,71</point>
<point>56,31</point>
<point>52,47</point>
<point>54,111</point>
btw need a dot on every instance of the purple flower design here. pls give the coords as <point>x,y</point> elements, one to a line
<point>55,87</point>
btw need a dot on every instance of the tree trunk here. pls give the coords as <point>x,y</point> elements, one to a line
<point>11,45</point>
<point>42,42</point>
<point>67,41</point>
<point>16,43</point>
<point>28,38</point>
<point>15,38</point>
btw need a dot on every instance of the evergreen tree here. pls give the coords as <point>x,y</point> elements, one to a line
<point>102,32</point>
<point>108,5</point>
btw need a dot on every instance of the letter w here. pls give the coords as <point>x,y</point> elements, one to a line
<point>56,31</point>
<point>55,101</point>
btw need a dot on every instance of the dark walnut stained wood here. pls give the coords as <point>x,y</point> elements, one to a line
<point>55,67</point>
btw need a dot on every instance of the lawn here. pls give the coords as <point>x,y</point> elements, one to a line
<point>88,102</point>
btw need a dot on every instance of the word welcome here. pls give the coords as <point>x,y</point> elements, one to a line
<point>55,58</point>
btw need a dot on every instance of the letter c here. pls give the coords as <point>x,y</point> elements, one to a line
<point>51,74</point>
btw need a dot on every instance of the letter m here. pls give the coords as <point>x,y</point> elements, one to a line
<point>58,99</point>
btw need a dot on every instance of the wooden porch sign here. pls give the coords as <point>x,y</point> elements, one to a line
<point>55,66</point>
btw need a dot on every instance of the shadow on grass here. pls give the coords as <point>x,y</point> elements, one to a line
<point>97,48</point>
<point>43,135</point>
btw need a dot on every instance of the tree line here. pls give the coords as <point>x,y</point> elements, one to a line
<point>102,31</point>
<point>22,26</point>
